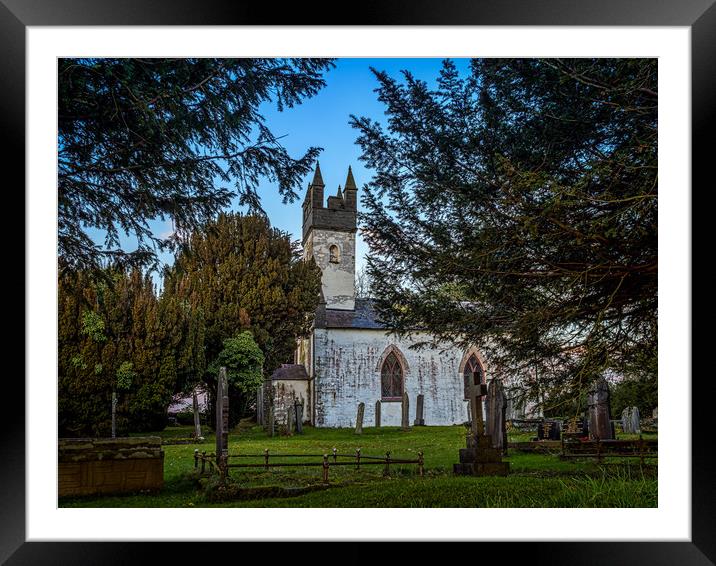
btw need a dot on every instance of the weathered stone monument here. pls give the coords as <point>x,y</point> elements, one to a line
<point>405,420</point>
<point>298,413</point>
<point>359,418</point>
<point>222,419</point>
<point>479,458</point>
<point>600,426</point>
<point>290,419</point>
<point>419,419</point>
<point>197,422</point>
<point>630,420</point>
<point>496,409</point>
<point>377,413</point>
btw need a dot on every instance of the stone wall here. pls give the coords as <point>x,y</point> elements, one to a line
<point>89,466</point>
<point>347,372</point>
<point>338,279</point>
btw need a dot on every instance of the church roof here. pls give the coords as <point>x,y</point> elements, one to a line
<point>290,371</point>
<point>363,316</point>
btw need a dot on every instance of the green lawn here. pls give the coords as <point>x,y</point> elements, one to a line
<point>536,480</point>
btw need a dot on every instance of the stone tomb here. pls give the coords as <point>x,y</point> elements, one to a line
<point>91,466</point>
<point>480,458</point>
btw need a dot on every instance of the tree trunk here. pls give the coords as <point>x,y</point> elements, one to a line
<point>114,414</point>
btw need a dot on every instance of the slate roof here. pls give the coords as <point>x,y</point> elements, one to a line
<point>290,371</point>
<point>363,316</point>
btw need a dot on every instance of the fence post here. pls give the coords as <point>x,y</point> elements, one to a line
<point>387,464</point>
<point>196,458</point>
<point>203,461</point>
<point>335,455</point>
<point>325,468</point>
<point>357,458</point>
<point>420,463</point>
<point>266,458</point>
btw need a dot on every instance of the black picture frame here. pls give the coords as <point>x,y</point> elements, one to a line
<point>699,15</point>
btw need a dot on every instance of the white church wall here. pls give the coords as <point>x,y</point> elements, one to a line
<point>347,372</point>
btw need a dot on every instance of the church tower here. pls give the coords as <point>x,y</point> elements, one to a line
<point>329,235</point>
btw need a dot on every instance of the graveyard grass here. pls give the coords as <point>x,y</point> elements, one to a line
<point>535,480</point>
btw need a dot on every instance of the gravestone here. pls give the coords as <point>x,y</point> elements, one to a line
<point>600,425</point>
<point>496,409</point>
<point>480,458</point>
<point>197,423</point>
<point>626,420</point>
<point>298,412</point>
<point>548,430</point>
<point>419,420</point>
<point>290,420</point>
<point>271,421</point>
<point>222,418</point>
<point>634,421</point>
<point>405,420</point>
<point>359,418</point>
<point>377,413</point>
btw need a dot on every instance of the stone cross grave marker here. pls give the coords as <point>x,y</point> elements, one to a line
<point>419,420</point>
<point>359,418</point>
<point>298,412</point>
<point>600,425</point>
<point>377,413</point>
<point>405,420</point>
<point>480,458</point>
<point>222,417</point>
<point>496,410</point>
<point>477,392</point>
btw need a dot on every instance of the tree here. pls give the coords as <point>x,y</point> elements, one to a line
<point>116,336</point>
<point>243,360</point>
<point>144,139</point>
<point>240,274</point>
<point>516,207</point>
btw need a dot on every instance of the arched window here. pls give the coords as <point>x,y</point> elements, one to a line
<point>391,378</point>
<point>472,367</point>
<point>335,254</point>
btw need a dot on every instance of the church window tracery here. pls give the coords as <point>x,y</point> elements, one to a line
<point>472,367</point>
<point>391,377</point>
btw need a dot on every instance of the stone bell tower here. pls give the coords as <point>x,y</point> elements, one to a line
<point>329,235</point>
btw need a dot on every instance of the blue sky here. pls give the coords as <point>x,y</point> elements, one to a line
<point>323,121</point>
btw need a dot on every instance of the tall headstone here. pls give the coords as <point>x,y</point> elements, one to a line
<point>377,413</point>
<point>600,425</point>
<point>222,416</point>
<point>298,413</point>
<point>359,418</point>
<point>290,419</point>
<point>495,409</point>
<point>626,420</point>
<point>635,422</point>
<point>405,420</point>
<point>197,422</point>
<point>419,419</point>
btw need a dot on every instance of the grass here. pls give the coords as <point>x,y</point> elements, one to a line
<point>536,480</point>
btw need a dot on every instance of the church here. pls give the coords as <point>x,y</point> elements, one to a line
<point>350,357</point>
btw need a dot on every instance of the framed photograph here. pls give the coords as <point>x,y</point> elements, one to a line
<point>679,36</point>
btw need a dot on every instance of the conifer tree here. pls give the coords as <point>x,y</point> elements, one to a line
<point>144,139</point>
<point>516,207</point>
<point>241,274</point>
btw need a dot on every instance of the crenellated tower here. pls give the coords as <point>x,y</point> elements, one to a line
<point>329,235</point>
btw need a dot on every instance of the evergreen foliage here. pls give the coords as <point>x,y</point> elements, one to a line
<point>516,208</point>
<point>143,139</point>
<point>243,360</point>
<point>240,274</point>
<point>115,334</point>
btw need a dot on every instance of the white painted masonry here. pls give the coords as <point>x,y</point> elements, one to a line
<point>347,372</point>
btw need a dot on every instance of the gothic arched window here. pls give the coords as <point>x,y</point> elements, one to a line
<point>472,367</point>
<point>335,254</point>
<point>391,378</point>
